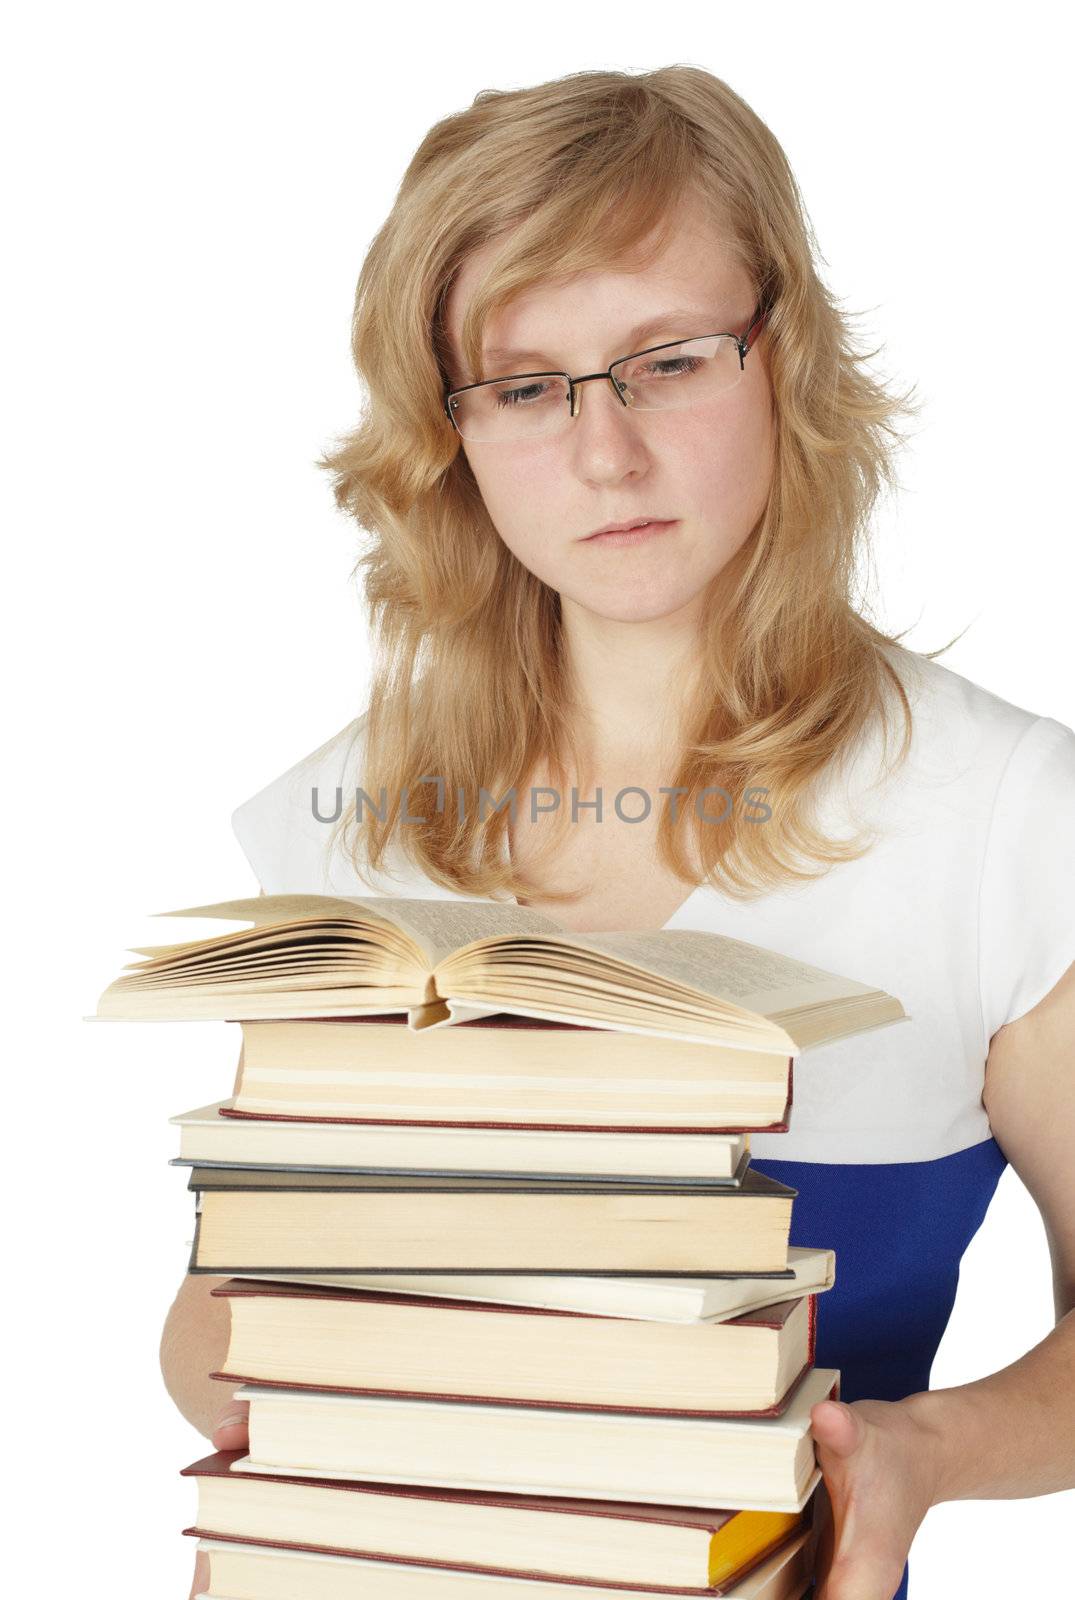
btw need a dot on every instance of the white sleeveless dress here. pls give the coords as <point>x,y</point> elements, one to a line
<point>964,908</point>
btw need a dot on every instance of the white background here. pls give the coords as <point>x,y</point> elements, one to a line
<point>190,191</point>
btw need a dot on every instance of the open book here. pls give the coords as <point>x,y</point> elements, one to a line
<point>448,961</point>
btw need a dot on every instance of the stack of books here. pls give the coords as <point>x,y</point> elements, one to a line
<point>511,1308</point>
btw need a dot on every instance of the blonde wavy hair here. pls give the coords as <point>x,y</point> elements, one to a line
<point>469,677</point>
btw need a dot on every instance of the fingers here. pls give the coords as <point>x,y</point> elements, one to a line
<point>231,1432</point>
<point>836,1427</point>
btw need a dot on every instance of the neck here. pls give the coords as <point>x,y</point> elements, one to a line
<point>630,682</point>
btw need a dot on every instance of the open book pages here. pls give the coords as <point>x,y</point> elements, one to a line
<point>324,955</point>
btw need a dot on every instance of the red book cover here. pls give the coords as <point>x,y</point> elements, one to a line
<point>711,1521</point>
<point>774,1316</point>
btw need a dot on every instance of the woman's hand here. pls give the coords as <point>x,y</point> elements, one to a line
<point>880,1473</point>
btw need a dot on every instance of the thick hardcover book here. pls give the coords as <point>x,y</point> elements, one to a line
<point>361,1342</point>
<point>273,1573</point>
<point>673,1550</point>
<point>506,1072</point>
<point>209,1139</point>
<point>337,1222</point>
<point>734,1463</point>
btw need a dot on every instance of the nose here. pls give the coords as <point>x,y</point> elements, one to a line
<point>607,443</point>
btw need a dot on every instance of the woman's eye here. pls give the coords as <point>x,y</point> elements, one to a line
<point>671,366</point>
<point>514,397</point>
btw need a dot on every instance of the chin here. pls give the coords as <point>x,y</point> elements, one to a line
<point>645,604</point>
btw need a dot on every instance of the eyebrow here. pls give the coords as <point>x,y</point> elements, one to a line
<point>634,340</point>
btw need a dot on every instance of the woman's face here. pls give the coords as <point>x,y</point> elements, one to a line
<point>706,469</point>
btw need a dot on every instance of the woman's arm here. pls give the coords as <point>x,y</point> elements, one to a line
<point>1013,1434</point>
<point>1007,1436</point>
<point>1030,1098</point>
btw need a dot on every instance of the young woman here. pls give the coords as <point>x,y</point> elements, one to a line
<point>594,305</point>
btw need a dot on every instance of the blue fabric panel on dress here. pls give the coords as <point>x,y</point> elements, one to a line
<point>899,1230</point>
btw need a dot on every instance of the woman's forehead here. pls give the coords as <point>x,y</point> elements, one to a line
<point>693,275</point>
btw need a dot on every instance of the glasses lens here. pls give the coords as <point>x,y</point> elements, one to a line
<point>515,408</point>
<point>680,375</point>
<point>670,379</point>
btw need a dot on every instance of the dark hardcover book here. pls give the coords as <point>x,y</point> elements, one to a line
<point>335,1222</point>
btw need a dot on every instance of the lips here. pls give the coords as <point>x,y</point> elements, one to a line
<point>639,531</point>
<point>626,527</point>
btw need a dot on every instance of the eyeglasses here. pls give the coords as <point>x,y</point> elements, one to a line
<point>529,405</point>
